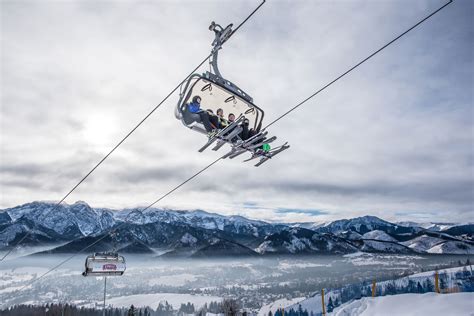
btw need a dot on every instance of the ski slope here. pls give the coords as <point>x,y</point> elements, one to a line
<point>432,304</point>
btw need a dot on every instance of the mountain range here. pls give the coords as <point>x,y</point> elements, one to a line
<point>181,233</point>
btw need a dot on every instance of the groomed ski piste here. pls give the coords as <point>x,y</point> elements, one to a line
<point>431,303</point>
<point>409,305</point>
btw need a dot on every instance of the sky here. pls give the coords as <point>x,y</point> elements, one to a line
<point>394,138</point>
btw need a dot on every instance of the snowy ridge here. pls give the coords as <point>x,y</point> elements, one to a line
<point>361,225</point>
<point>452,247</point>
<point>184,232</point>
<point>423,243</point>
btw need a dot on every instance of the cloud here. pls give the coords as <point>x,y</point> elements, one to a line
<point>301,211</point>
<point>395,137</point>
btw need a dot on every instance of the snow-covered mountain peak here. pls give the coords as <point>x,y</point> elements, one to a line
<point>197,228</point>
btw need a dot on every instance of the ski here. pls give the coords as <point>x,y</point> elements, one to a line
<point>227,138</point>
<point>253,139</point>
<point>254,155</point>
<point>219,144</point>
<point>237,153</point>
<point>266,141</point>
<point>220,133</point>
<point>273,153</point>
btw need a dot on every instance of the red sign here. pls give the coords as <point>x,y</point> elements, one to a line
<point>109,266</point>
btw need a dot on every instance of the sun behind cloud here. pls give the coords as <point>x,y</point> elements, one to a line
<point>100,129</point>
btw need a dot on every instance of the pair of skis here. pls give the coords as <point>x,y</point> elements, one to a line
<point>253,144</point>
<point>266,155</point>
<point>226,134</point>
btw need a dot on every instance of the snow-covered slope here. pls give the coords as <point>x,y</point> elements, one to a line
<point>64,217</point>
<point>452,247</point>
<point>427,225</point>
<point>274,306</point>
<point>349,234</point>
<point>384,246</point>
<point>301,240</point>
<point>363,225</point>
<point>423,243</point>
<point>432,304</point>
<point>378,235</point>
<point>198,218</point>
<point>457,275</point>
<point>153,300</point>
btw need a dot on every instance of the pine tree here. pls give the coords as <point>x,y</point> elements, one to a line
<point>131,311</point>
<point>429,286</point>
<point>330,306</point>
<point>300,309</point>
<point>443,284</point>
<point>419,288</point>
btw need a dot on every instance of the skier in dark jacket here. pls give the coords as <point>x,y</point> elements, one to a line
<point>244,135</point>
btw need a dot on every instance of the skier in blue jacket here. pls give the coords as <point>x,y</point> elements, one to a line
<point>195,108</point>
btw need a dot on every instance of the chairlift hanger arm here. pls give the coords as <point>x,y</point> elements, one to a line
<point>221,36</point>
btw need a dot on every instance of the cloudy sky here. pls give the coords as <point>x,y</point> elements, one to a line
<point>393,139</point>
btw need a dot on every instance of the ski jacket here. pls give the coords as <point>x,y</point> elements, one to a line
<point>223,122</point>
<point>194,107</point>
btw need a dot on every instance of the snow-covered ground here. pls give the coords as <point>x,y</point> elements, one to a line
<point>291,265</point>
<point>410,304</point>
<point>153,300</point>
<point>176,280</point>
<point>313,303</point>
<point>250,280</point>
<point>281,303</point>
<point>431,273</point>
<point>368,259</point>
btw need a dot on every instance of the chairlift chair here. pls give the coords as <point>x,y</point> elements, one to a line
<point>217,92</point>
<point>104,264</point>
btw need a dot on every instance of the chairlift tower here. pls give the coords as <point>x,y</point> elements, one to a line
<point>105,264</point>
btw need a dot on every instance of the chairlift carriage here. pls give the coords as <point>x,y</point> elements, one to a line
<point>104,264</point>
<point>217,92</point>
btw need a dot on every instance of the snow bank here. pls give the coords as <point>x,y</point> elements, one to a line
<point>410,304</point>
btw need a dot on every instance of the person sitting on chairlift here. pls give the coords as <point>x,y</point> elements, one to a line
<point>195,108</point>
<point>244,135</point>
<point>223,123</point>
<point>214,119</point>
